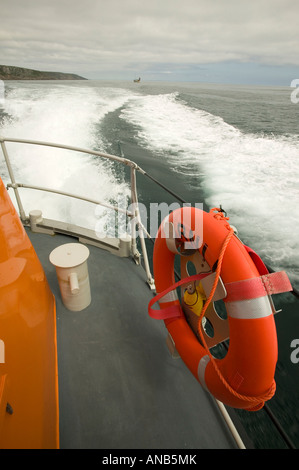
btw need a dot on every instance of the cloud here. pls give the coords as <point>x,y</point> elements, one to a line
<point>108,35</point>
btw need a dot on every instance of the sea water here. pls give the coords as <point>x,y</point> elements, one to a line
<point>237,146</point>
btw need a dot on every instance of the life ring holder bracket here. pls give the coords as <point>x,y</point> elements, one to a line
<point>219,325</point>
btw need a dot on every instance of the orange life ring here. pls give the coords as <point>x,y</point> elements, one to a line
<point>244,378</point>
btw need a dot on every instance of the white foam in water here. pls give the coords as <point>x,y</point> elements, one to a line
<point>65,115</point>
<point>255,179</point>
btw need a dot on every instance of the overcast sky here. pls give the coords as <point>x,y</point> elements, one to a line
<point>228,41</point>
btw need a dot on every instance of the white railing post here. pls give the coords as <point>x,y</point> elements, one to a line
<point>134,199</point>
<point>12,179</point>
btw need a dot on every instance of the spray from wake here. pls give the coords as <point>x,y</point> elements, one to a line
<point>65,115</point>
<point>255,178</point>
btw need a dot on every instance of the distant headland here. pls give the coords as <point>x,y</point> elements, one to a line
<point>8,72</point>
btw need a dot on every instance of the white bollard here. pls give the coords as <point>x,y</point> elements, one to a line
<point>70,261</point>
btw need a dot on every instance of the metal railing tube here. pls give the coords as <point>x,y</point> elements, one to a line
<point>140,228</point>
<point>125,161</point>
<point>76,196</point>
<point>12,179</point>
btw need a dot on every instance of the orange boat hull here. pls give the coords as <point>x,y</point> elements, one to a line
<point>28,369</point>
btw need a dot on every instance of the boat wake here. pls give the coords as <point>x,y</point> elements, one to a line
<point>71,116</point>
<point>254,178</point>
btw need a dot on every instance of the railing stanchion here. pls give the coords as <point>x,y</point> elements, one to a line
<point>12,179</point>
<point>140,228</point>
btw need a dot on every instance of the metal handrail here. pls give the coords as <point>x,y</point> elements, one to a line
<point>123,160</point>
<point>136,219</point>
<point>76,196</point>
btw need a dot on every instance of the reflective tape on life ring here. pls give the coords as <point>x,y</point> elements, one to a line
<point>248,299</point>
<point>268,284</point>
<point>201,370</point>
<point>169,297</point>
<point>249,309</point>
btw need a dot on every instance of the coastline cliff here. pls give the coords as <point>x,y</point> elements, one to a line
<point>9,72</point>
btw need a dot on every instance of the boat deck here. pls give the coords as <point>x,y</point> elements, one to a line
<point>119,387</point>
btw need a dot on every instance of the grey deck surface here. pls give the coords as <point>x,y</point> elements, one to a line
<point>119,388</point>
